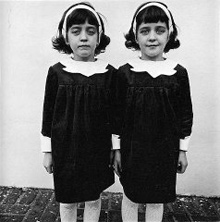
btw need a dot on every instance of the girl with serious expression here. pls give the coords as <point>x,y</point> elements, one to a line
<point>83,39</point>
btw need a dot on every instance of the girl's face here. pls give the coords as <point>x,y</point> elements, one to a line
<point>152,39</point>
<point>83,39</point>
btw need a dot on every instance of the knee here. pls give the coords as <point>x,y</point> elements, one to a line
<point>128,202</point>
<point>93,203</point>
<point>68,206</point>
<point>155,206</point>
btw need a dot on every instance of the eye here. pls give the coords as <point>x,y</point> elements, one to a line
<point>160,30</point>
<point>75,31</point>
<point>144,31</point>
<point>91,31</point>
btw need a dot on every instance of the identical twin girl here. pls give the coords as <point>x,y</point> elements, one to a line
<point>89,105</point>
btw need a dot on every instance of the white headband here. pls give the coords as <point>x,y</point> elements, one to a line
<point>159,6</point>
<point>82,7</point>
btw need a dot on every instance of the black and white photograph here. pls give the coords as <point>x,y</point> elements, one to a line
<point>110,111</point>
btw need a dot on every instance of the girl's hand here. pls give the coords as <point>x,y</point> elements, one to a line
<point>47,162</point>
<point>117,162</point>
<point>182,162</point>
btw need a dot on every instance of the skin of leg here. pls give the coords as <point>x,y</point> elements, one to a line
<point>68,212</point>
<point>154,212</point>
<point>129,210</point>
<point>92,211</point>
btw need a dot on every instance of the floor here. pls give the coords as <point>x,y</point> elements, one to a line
<point>39,205</point>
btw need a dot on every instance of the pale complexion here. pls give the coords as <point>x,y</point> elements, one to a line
<point>152,39</point>
<point>83,40</point>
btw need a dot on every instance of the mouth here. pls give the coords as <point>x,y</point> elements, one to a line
<point>84,46</point>
<point>152,46</point>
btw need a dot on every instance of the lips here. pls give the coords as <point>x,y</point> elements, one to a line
<point>84,46</point>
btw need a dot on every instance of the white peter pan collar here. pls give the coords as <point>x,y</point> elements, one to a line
<point>85,68</point>
<point>154,68</point>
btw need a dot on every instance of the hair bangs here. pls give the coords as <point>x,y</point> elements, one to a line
<point>152,14</point>
<point>80,16</point>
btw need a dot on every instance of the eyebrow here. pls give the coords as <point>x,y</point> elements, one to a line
<point>80,25</point>
<point>159,26</point>
<point>148,27</point>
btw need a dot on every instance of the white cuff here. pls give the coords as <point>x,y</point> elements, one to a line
<point>115,142</point>
<point>184,143</point>
<point>45,144</point>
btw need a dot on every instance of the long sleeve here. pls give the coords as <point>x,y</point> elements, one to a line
<point>113,117</point>
<point>45,144</point>
<point>186,113</point>
<point>184,144</point>
<point>49,102</point>
<point>120,100</point>
<point>115,142</point>
<point>112,104</point>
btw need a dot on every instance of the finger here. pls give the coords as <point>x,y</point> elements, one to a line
<point>179,168</point>
<point>119,166</point>
<point>117,163</point>
<point>184,168</point>
<point>117,171</point>
<point>49,169</point>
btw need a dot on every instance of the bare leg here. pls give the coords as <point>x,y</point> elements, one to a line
<point>92,211</point>
<point>68,212</point>
<point>129,210</point>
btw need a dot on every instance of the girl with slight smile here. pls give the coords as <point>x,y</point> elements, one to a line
<point>154,114</point>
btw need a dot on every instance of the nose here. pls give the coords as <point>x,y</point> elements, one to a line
<point>152,36</point>
<point>83,36</point>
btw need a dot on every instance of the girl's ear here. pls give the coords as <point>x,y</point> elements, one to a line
<point>66,41</point>
<point>135,36</point>
<point>100,34</point>
<point>136,40</point>
<point>168,37</point>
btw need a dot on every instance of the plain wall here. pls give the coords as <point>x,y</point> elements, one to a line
<point>26,53</point>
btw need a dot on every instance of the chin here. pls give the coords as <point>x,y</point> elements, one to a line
<point>153,55</point>
<point>85,55</point>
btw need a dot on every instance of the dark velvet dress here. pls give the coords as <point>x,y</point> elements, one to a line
<point>154,114</point>
<point>77,118</point>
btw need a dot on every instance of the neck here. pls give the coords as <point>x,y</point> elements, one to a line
<point>152,59</point>
<point>83,59</point>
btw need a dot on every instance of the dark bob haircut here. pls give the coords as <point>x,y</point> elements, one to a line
<point>79,16</point>
<point>151,14</point>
